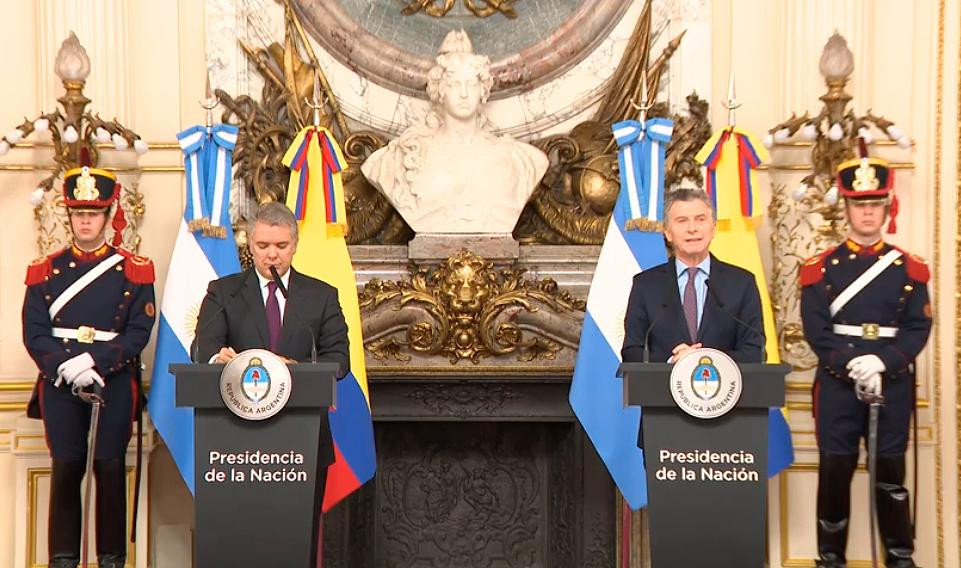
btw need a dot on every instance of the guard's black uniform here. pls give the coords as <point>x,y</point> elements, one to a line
<point>110,318</point>
<point>891,318</point>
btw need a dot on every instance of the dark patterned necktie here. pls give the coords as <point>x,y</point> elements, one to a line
<point>690,303</point>
<point>273,316</point>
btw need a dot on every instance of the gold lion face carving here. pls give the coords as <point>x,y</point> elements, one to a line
<point>465,283</point>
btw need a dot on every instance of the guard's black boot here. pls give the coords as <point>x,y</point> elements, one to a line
<point>111,512</point>
<point>834,508</point>
<point>894,512</point>
<point>63,562</point>
<point>63,529</point>
<point>111,561</point>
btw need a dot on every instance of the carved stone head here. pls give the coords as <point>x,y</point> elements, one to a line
<point>460,81</point>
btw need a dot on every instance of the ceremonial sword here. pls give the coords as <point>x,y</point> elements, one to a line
<point>95,400</point>
<point>874,402</point>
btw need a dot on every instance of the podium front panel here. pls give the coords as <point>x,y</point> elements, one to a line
<point>255,488</point>
<point>707,488</point>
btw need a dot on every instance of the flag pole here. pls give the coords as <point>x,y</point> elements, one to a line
<point>625,534</point>
<point>316,106</point>
<point>731,104</point>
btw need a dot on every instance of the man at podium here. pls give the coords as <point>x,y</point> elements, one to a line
<point>693,300</point>
<point>272,306</point>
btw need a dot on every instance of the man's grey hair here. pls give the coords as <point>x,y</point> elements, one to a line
<point>686,194</point>
<point>273,214</point>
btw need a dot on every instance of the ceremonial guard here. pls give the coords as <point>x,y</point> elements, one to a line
<point>866,315</point>
<point>87,316</point>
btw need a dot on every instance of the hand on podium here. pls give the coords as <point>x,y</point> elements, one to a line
<point>682,350</point>
<point>224,355</point>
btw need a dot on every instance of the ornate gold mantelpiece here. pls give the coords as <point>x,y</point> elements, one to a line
<point>468,310</point>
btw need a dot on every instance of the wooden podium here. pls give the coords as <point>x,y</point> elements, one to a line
<point>256,498</point>
<point>706,478</point>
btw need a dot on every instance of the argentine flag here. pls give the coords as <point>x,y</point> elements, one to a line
<point>204,251</point>
<point>597,393</point>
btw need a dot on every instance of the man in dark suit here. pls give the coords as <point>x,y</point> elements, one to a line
<point>693,300</point>
<point>247,311</point>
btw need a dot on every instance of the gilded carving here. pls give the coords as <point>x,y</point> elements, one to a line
<point>573,201</point>
<point>480,8</point>
<point>810,218</point>
<point>78,135</point>
<point>268,126</point>
<point>465,309</point>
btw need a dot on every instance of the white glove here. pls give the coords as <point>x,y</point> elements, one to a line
<point>72,367</point>
<point>870,385</point>
<point>87,378</point>
<point>860,367</point>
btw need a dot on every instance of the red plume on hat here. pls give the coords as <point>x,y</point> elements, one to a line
<point>119,223</point>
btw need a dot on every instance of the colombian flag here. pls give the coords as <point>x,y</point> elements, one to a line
<point>316,195</point>
<point>730,157</point>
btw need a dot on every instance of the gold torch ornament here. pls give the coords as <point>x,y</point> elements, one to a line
<point>74,131</point>
<point>834,132</point>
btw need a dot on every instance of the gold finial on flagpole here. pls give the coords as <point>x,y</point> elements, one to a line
<point>646,104</point>
<point>731,103</point>
<point>642,223</point>
<point>314,103</point>
<point>209,104</point>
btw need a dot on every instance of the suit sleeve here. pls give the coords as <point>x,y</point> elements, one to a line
<point>111,356</point>
<point>914,326</point>
<point>332,342</point>
<point>636,322</point>
<point>832,351</point>
<point>211,324</point>
<point>749,342</point>
<point>45,350</point>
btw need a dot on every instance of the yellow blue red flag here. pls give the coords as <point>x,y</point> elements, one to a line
<point>731,157</point>
<point>316,195</point>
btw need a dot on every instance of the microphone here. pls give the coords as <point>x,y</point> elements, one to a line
<point>720,304</point>
<point>283,290</point>
<point>650,328</point>
<point>220,309</point>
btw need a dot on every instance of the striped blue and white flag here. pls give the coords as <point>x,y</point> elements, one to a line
<point>597,393</point>
<point>204,251</point>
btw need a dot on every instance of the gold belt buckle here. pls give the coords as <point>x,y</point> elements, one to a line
<point>85,334</point>
<point>870,331</point>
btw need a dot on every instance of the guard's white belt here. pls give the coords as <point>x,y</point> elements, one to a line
<point>867,331</point>
<point>83,335</point>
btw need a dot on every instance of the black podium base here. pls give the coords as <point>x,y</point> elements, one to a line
<point>275,521</point>
<point>707,482</point>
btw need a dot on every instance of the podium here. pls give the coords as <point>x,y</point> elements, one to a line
<point>706,478</point>
<point>256,498</point>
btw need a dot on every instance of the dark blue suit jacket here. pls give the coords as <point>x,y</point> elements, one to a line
<point>655,304</point>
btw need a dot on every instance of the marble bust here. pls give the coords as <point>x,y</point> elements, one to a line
<point>449,172</point>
